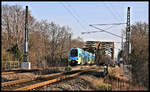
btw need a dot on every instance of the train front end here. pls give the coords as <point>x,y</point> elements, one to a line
<point>73,56</point>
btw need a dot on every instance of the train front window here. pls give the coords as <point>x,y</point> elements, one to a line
<point>74,53</point>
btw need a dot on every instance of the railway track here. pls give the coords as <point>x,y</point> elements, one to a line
<point>30,87</point>
<point>35,70</point>
<point>38,77</point>
<point>5,73</point>
<point>41,80</point>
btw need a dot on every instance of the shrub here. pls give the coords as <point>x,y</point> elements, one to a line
<point>104,86</point>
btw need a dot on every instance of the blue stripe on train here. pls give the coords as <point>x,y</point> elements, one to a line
<point>73,58</point>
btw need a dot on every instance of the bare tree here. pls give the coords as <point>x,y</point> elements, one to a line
<point>48,42</point>
<point>13,20</point>
<point>139,53</point>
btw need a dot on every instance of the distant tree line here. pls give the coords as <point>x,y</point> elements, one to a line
<point>48,42</point>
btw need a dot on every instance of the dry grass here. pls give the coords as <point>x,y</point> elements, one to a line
<point>117,73</point>
<point>119,82</point>
<point>104,86</point>
<point>93,81</point>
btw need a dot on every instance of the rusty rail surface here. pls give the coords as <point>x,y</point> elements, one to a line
<point>19,71</point>
<point>15,82</point>
<point>31,79</point>
<point>30,87</point>
<point>38,77</point>
<point>23,70</point>
<point>5,73</point>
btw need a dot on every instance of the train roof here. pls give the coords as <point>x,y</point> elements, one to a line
<point>86,52</point>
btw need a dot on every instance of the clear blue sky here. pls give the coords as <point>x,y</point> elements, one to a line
<point>89,13</point>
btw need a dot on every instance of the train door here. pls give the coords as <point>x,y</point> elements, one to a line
<point>79,58</point>
<point>82,60</point>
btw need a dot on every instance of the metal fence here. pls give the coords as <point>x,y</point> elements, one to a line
<point>10,65</point>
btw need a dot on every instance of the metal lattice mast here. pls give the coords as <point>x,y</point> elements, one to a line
<point>128,32</point>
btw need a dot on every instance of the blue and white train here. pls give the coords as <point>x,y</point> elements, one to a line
<point>79,56</point>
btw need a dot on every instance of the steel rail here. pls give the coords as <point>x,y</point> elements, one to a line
<point>16,82</point>
<point>9,83</point>
<point>5,73</point>
<point>31,79</point>
<point>30,87</point>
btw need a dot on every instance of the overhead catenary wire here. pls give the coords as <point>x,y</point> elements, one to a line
<point>116,12</point>
<point>95,31</point>
<point>75,13</point>
<point>106,31</point>
<point>76,17</point>
<point>69,11</point>
<point>73,10</point>
<point>110,24</point>
<point>112,13</point>
<point>107,24</point>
